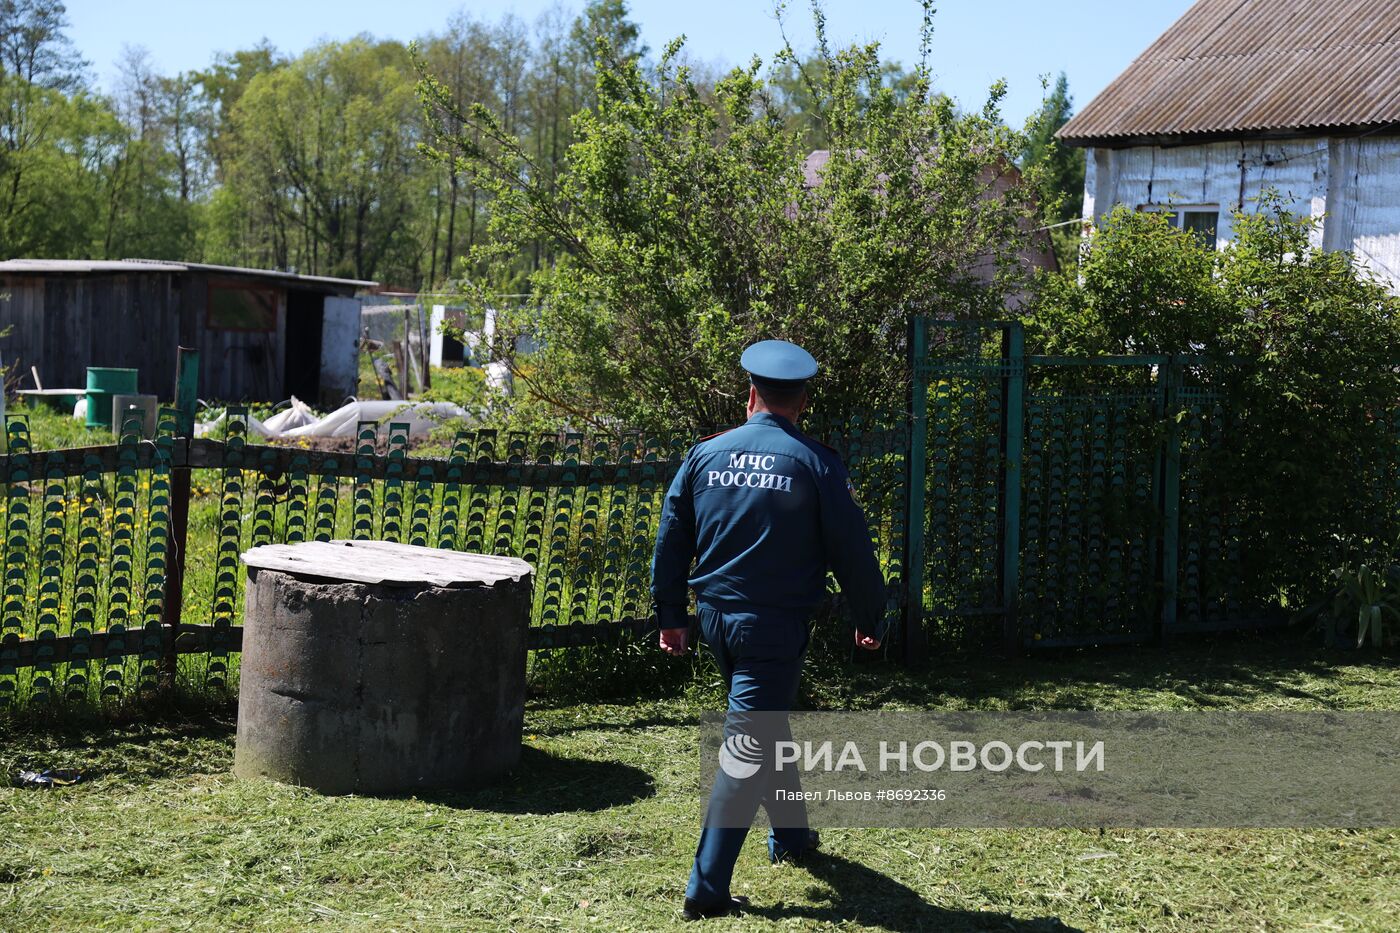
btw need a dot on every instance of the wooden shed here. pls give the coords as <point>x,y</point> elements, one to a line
<point>262,335</point>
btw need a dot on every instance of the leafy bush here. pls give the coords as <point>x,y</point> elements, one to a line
<point>461,385</point>
<point>688,230</point>
<point>1302,345</point>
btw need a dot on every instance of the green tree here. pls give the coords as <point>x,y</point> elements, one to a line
<point>38,69</point>
<point>228,225</point>
<point>794,91</point>
<point>150,178</point>
<point>56,191</point>
<point>685,230</point>
<point>86,176</point>
<point>185,114</point>
<point>322,160</point>
<point>477,62</point>
<point>34,46</point>
<point>561,84</point>
<point>1062,170</point>
<point>221,86</point>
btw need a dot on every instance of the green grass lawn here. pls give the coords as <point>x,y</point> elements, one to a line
<point>50,429</point>
<point>596,828</point>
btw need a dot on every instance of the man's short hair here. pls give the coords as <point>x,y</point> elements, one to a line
<point>781,394</point>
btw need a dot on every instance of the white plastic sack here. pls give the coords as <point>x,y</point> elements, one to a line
<point>297,415</point>
<point>421,418</point>
<point>255,427</point>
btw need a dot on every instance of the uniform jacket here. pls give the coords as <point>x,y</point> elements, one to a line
<point>763,512</point>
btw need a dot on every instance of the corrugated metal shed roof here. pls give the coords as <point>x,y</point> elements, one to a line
<point>86,265</point>
<point>272,274</point>
<point>1256,66</point>
<point>98,266</point>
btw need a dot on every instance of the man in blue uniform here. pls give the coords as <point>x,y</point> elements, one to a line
<point>753,521</point>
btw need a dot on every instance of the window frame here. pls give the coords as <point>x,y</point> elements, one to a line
<point>1178,212</point>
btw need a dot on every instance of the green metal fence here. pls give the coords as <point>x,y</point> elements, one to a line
<point>86,551</point>
<point>1064,500</point>
<point>1022,501</point>
<point>121,563</point>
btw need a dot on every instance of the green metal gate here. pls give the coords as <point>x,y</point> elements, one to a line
<point>1063,499</point>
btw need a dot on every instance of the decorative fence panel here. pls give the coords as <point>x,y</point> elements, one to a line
<point>1066,500</point>
<point>1089,520</point>
<point>1210,529</point>
<point>87,542</point>
<point>956,487</point>
<point>92,539</point>
<point>1022,500</point>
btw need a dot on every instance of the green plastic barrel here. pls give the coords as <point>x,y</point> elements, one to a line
<point>103,382</point>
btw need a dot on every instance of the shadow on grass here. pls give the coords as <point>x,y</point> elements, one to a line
<point>543,784</point>
<point>868,898</point>
<point>622,721</point>
<point>1222,671</point>
<point>1227,670</point>
<point>146,744</point>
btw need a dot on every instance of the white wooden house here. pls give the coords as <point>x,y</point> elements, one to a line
<point>1240,96</point>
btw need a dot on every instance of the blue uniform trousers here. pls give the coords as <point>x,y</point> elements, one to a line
<point>760,656</point>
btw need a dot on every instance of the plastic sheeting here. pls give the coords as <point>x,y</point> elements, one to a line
<point>300,421</point>
<point>421,418</point>
<point>206,428</point>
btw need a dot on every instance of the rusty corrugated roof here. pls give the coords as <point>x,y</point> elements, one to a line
<point>1255,66</point>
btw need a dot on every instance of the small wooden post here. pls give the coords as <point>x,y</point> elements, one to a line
<point>424,343</point>
<point>186,386</point>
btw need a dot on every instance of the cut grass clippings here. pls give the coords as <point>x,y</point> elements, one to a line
<point>596,828</point>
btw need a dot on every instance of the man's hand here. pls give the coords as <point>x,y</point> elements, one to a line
<point>866,642</point>
<point>673,640</point>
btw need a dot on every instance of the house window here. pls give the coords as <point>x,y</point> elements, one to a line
<point>1201,219</point>
<point>234,306</point>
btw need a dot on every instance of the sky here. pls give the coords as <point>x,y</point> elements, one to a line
<point>976,42</point>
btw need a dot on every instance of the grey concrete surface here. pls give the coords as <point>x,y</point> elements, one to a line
<point>365,688</point>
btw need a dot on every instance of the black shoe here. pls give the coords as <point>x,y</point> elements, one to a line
<point>693,910</point>
<point>814,842</point>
